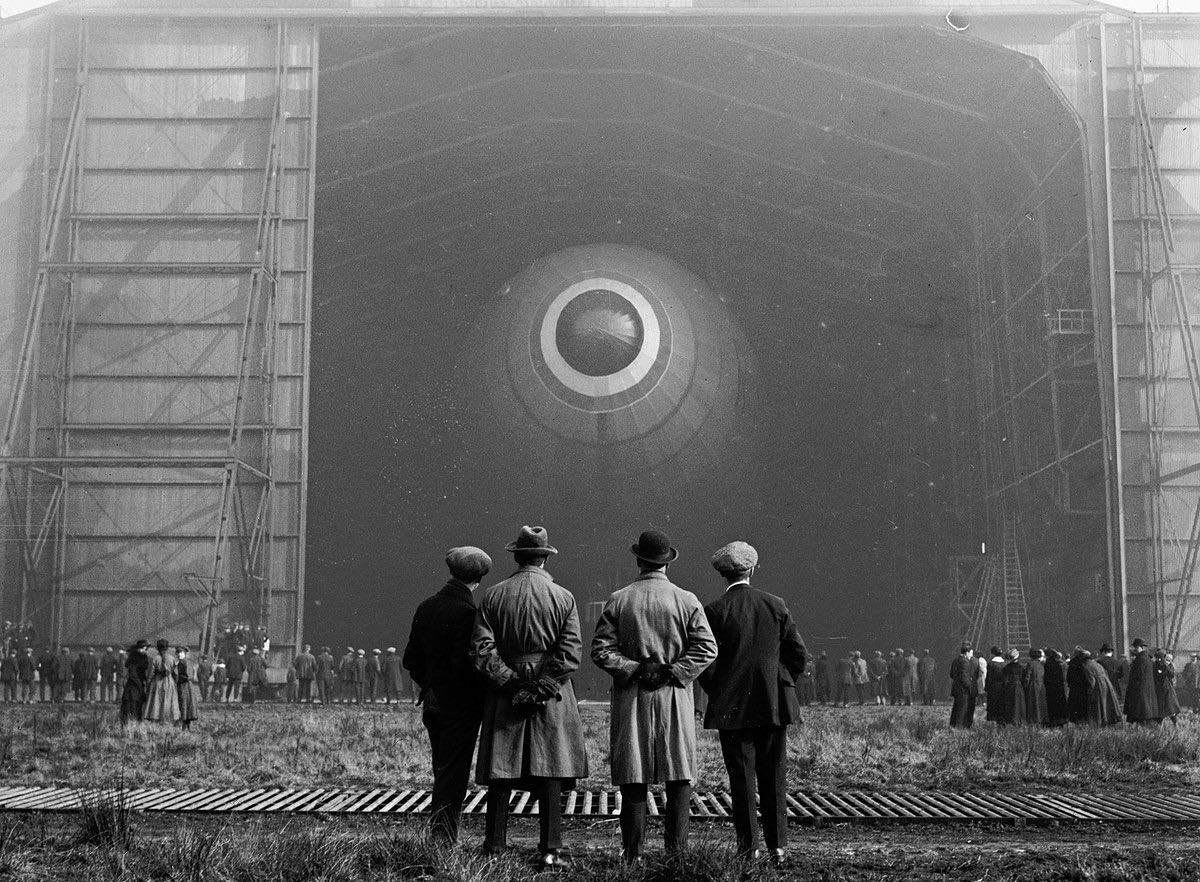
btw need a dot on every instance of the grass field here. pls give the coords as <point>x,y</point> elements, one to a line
<point>91,849</point>
<point>292,745</point>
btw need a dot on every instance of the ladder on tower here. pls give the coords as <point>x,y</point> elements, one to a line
<point>983,602</point>
<point>1016,615</point>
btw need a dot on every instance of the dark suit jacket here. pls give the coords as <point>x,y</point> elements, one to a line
<point>759,656</point>
<point>963,675</point>
<point>438,655</point>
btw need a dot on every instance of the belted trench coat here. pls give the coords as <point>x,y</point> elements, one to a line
<point>528,626</point>
<point>653,732</point>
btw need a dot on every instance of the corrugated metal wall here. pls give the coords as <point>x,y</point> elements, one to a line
<point>174,160</point>
<point>1160,431</point>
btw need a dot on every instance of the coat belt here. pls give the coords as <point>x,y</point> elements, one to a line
<point>527,658</point>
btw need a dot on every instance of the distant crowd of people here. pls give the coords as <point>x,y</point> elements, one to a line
<point>1046,688</point>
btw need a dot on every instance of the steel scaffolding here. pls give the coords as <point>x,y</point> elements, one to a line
<point>242,467</point>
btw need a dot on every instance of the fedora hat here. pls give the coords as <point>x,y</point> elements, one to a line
<point>654,547</point>
<point>532,540</point>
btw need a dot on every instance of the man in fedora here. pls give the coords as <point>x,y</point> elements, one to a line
<point>1141,699</point>
<point>752,696</point>
<point>526,643</point>
<point>654,639</point>
<point>451,692</point>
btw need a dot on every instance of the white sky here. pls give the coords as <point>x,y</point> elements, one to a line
<point>12,7</point>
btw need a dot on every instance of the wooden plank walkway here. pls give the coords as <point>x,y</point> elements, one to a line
<point>804,806</point>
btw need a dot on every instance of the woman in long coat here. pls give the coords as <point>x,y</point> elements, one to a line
<point>652,733</point>
<point>1012,692</point>
<point>1034,681</point>
<point>1077,688</point>
<point>1103,705</point>
<point>1055,680</point>
<point>136,688</point>
<point>187,677</point>
<point>163,704</point>
<point>1164,686</point>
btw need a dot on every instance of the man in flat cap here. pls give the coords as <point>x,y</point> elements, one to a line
<point>752,696</point>
<point>526,642</point>
<point>305,666</point>
<point>964,687</point>
<point>451,691</point>
<point>654,639</point>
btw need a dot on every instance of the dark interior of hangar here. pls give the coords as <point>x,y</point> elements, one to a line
<point>854,197</point>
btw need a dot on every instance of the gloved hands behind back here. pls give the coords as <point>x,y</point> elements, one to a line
<point>654,675</point>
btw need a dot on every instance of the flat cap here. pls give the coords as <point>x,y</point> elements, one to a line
<point>468,563</point>
<point>735,558</point>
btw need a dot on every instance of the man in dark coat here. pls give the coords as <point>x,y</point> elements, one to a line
<point>1141,700</point>
<point>877,667</point>
<point>1077,688</point>
<point>346,676</point>
<point>235,671</point>
<point>994,685</point>
<point>752,696</point>
<point>1013,695</point>
<point>1116,668</point>
<point>26,670</point>
<point>1056,689</point>
<point>1034,682</point>
<point>1191,682</point>
<point>1164,686</point>
<point>326,676</point>
<point>305,665</point>
<point>62,673</point>
<point>108,675</point>
<point>393,676</point>
<point>926,668</point>
<point>204,675</point>
<point>895,678</point>
<point>374,675</point>
<point>8,675</point>
<point>358,676</point>
<point>136,687</point>
<point>526,642</point>
<point>964,688</point>
<point>89,669</point>
<point>821,677</point>
<point>46,673</point>
<point>452,692</point>
<point>256,677</point>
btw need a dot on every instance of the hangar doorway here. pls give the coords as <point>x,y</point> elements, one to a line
<point>892,226</point>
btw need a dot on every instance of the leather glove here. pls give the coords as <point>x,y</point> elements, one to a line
<point>654,675</point>
<point>519,684</point>
<point>547,688</point>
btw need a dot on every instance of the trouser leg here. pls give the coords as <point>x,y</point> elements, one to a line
<point>677,816</point>
<point>550,815</point>
<point>306,690</point>
<point>495,836</point>
<point>737,749</point>
<point>770,768</point>
<point>633,819</point>
<point>457,734</point>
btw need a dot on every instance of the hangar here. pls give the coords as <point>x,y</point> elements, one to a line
<point>259,364</point>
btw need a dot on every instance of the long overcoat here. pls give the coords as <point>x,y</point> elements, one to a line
<point>163,703</point>
<point>136,687</point>
<point>1103,705</point>
<point>1056,691</point>
<point>1164,688</point>
<point>994,689</point>
<point>1034,682</point>
<point>1141,700</point>
<point>1012,694</point>
<point>187,674</point>
<point>528,626</point>
<point>1077,689</point>
<point>912,677</point>
<point>653,732</point>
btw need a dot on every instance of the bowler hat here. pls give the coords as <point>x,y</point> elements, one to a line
<point>1138,641</point>
<point>532,540</point>
<point>735,558</point>
<point>654,547</point>
<point>1106,648</point>
<point>468,563</point>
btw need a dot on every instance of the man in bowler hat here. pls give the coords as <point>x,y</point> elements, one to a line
<point>451,692</point>
<point>1141,699</point>
<point>752,696</point>
<point>654,639</point>
<point>526,642</point>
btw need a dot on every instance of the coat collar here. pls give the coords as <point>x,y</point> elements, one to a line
<point>658,575</point>
<point>456,588</point>
<point>744,583</point>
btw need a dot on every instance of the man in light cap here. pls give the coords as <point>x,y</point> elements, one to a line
<point>393,676</point>
<point>451,691</point>
<point>654,640</point>
<point>526,642</point>
<point>752,696</point>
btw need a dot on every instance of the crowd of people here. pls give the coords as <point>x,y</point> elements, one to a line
<point>1046,688</point>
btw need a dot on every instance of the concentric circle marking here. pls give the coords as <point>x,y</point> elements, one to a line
<point>610,322</point>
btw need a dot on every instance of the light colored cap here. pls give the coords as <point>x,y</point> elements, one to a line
<point>735,558</point>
